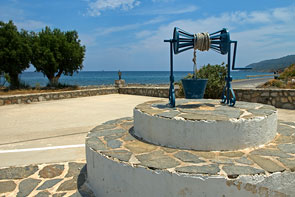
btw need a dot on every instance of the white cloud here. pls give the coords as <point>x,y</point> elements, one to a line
<point>261,35</point>
<point>143,34</point>
<point>109,30</point>
<point>168,11</point>
<point>114,29</point>
<point>30,25</point>
<point>284,14</point>
<point>10,13</point>
<point>96,7</point>
<point>88,39</point>
<point>165,1</point>
<point>18,16</point>
<point>267,16</point>
<point>259,17</point>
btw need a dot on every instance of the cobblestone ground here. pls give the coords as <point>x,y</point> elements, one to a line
<point>60,179</point>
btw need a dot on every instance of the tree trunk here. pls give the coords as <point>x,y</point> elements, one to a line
<point>14,81</point>
<point>54,81</point>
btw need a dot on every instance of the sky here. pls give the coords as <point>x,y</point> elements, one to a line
<point>128,35</point>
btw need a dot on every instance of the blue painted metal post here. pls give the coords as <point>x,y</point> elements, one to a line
<point>228,87</point>
<point>171,89</point>
<point>228,79</point>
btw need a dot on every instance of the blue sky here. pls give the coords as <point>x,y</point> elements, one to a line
<point>129,34</point>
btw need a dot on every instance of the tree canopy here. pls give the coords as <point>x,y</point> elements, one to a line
<point>15,51</point>
<point>56,53</point>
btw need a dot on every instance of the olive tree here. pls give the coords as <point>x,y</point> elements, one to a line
<point>15,52</point>
<point>56,53</point>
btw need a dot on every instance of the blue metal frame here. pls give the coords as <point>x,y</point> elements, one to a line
<point>171,88</point>
<point>221,43</point>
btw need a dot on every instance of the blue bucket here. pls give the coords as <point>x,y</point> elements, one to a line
<point>194,88</point>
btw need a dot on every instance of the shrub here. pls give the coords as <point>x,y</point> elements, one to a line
<point>216,80</point>
<point>274,83</point>
<point>288,73</point>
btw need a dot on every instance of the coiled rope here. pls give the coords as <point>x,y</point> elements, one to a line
<point>201,42</point>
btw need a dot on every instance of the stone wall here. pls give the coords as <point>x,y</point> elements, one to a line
<point>148,91</point>
<point>37,97</point>
<point>281,98</point>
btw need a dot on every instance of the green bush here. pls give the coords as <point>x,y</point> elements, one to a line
<point>216,80</point>
<point>288,73</point>
<point>275,83</point>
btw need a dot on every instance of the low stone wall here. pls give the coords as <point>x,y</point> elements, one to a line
<point>281,98</point>
<point>162,92</point>
<point>28,98</point>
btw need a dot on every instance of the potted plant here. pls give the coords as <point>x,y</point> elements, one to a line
<point>193,87</point>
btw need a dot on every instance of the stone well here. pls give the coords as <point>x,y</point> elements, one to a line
<point>205,124</point>
<point>121,161</point>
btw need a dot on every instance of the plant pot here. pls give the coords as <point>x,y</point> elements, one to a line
<point>194,88</point>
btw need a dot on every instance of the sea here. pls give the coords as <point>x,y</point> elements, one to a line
<point>87,78</point>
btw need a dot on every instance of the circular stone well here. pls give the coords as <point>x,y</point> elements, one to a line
<point>204,124</point>
<point>118,164</point>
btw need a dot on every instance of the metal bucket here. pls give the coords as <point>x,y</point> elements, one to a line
<point>194,88</point>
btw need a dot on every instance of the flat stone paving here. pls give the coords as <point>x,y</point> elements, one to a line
<point>205,109</point>
<point>276,156</point>
<point>61,179</point>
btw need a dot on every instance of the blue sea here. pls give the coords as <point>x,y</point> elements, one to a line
<point>85,78</point>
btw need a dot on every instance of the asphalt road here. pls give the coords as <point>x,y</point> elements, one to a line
<point>249,83</point>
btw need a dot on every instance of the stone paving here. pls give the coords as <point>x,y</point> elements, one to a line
<point>62,179</point>
<point>205,109</point>
<point>114,139</point>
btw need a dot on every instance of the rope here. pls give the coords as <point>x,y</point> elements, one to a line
<point>201,42</point>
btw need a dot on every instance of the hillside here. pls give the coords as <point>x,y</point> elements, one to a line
<point>273,64</point>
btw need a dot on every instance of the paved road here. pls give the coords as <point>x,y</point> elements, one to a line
<point>249,83</point>
<point>45,132</point>
<point>55,131</point>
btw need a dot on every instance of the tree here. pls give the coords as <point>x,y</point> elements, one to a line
<point>15,52</point>
<point>56,53</point>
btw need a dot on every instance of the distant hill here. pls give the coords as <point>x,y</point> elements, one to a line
<point>273,64</point>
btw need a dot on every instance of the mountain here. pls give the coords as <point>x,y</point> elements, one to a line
<point>273,64</point>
